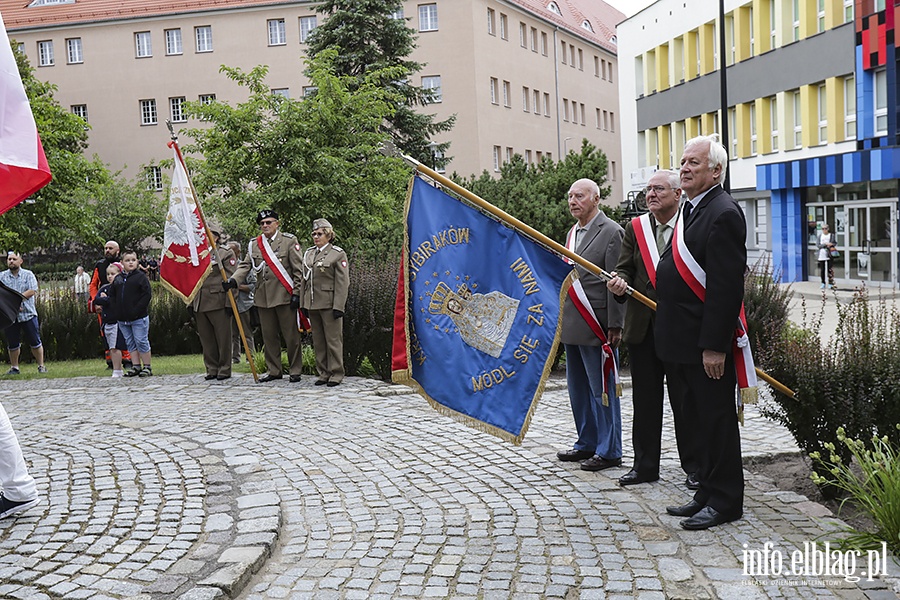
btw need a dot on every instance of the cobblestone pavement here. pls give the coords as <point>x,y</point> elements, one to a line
<point>175,488</point>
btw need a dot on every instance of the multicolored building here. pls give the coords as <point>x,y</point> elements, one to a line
<point>812,115</point>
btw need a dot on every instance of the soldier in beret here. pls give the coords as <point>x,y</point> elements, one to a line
<point>212,312</point>
<point>277,259</point>
<point>326,279</point>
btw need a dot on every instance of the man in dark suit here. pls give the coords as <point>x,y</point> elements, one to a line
<point>646,237</point>
<point>597,419</point>
<point>694,336</point>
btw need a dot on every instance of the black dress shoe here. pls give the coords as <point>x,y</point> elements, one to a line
<point>295,378</point>
<point>574,455</point>
<point>223,377</point>
<point>688,510</point>
<point>209,377</point>
<point>598,463</point>
<point>691,482</point>
<point>269,378</point>
<point>709,517</point>
<point>333,383</point>
<point>321,381</point>
<point>632,477</point>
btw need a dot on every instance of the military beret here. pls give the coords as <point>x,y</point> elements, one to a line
<point>321,224</point>
<point>266,213</point>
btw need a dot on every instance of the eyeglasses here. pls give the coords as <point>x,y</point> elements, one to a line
<point>267,222</point>
<point>317,233</point>
<point>659,189</point>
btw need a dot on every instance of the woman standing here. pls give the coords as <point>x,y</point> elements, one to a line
<point>326,279</point>
<point>826,245</point>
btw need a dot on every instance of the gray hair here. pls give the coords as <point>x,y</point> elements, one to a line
<point>673,178</point>
<point>718,156</point>
<point>590,184</point>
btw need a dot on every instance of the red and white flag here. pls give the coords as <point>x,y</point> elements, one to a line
<point>185,259</point>
<point>23,166</point>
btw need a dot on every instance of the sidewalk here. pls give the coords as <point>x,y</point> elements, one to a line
<point>173,488</point>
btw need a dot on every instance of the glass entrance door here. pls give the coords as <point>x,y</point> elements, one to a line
<point>869,241</point>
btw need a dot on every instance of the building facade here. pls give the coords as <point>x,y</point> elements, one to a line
<point>528,77</point>
<point>812,119</point>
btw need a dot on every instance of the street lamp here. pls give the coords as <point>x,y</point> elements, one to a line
<point>433,148</point>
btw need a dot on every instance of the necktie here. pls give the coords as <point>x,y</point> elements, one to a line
<point>688,207</point>
<point>661,237</point>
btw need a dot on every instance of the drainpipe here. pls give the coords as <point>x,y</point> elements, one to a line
<point>559,142</point>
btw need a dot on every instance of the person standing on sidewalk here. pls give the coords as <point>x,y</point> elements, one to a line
<point>98,279</point>
<point>82,284</point>
<point>133,293</point>
<point>646,238</point>
<point>700,284</point>
<point>213,314</point>
<point>827,243</point>
<point>18,491</point>
<point>24,282</point>
<point>591,330</point>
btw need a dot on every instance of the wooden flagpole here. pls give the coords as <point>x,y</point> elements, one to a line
<point>210,240</point>
<point>558,248</point>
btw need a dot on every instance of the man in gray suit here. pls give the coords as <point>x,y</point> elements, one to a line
<point>589,340</point>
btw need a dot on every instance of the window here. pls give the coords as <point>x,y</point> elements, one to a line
<point>506,95</point>
<point>21,47</point>
<point>523,35</point>
<point>603,68</point>
<point>772,26</point>
<point>546,104</point>
<point>580,60</point>
<point>609,73</point>
<point>527,156</point>
<point>881,120</point>
<point>605,121</point>
<point>526,96</point>
<point>544,43</point>
<point>612,170</point>
<point>310,90</point>
<point>142,45</point>
<point>154,179</point>
<point>750,33</point>
<point>848,11</point>
<point>504,27</point>
<point>572,56</point>
<point>850,108</point>
<point>491,21</point>
<point>494,89</point>
<point>80,110</point>
<point>534,39</point>
<point>207,98</point>
<point>596,66</point>
<point>432,84</point>
<point>204,38</point>
<point>46,2</point>
<point>795,15</point>
<point>45,53</point>
<point>283,92</point>
<point>173,42</point>
<point>73,51</point>
<point>565,109</point>
<point>536,104</point>
<point>509,154</point>
<point>762,222</point>
<point>823,114</point>
<point>796,121</point>
<point>176,110</point>
<point>562,54</point>
<point>612,121</point>
<point>538,155</point>
<point>148,112</point>
<point>397,14</point>
<point>773,121</point>
<point>428,17</point>
<point>277,35</point>
<point>752,129</point>
<point>307,25</point>
<point>554,8</point>
<point>587,25</point>
<point>497,158</point>
<point>820,16</point>
<point>732,124</point>
<point>581,106</point>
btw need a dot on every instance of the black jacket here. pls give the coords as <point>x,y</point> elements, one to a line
<point>132,291</point>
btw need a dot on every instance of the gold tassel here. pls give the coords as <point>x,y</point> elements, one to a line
<point>619,390</point>
<point>741,415</point>
<point>605,399</point>
<point>749,395</point>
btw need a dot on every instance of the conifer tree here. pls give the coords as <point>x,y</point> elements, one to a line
<point>370,35</point>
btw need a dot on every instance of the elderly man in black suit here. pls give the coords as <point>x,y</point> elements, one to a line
<point>646,238</point>
<point>589,345</point>
<point>700,284</point>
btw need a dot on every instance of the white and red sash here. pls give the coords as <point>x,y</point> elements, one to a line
<point>695,277</point>
<point>583,305</point>
<point>646,241</point>
<point>282,275</point>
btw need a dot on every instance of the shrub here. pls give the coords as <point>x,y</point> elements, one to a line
<point>873,486</point>
<point>766,305</point>
<point>369,318</point>
<point>68,330</point>
<point>847,383</point>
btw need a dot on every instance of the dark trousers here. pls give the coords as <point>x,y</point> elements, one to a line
<point>709,408</point>
<point>647,374</point>
<point>214,329</point>
<point>826,267</point>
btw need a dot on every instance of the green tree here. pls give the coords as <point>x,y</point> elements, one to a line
<point>536,194</point>
<point>309,158</point>
<point>125,211</point>
<point>371,40</point>
<point>55,215</point>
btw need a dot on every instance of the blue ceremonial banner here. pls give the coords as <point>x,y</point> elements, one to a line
<point>482,312</point>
